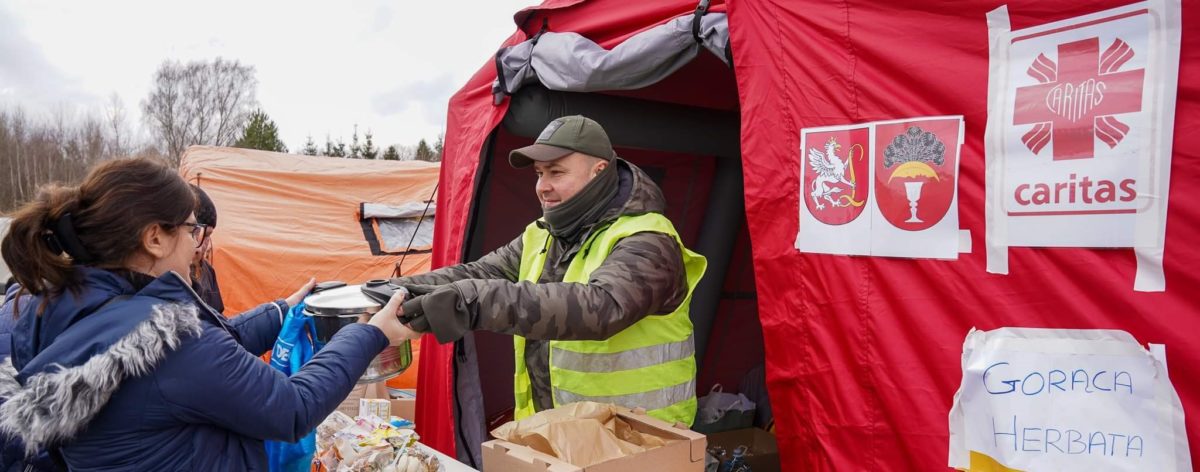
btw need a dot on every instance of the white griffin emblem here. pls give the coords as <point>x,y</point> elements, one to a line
<point>830,169</point>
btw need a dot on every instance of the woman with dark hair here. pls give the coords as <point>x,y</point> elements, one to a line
<point>204,277</point>
<point>117,365</point>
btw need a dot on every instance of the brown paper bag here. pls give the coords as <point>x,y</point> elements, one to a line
<point>582,434</point>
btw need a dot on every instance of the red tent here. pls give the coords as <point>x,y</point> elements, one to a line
<point>862,353</point>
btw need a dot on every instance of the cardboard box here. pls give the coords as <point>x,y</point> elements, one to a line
<point>685,452</point>
<point>405,408</point>
<point>375,407</point>
<point>349,406</point>
<point>763,455</point>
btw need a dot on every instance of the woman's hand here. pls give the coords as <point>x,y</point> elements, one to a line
<point>388,320</point>
<point>298,297</point>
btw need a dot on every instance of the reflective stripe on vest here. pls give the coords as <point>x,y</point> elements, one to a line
<point>650,365</point>
<point>624,360</point>
<point>653,400</point>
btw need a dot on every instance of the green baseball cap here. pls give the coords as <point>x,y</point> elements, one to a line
<point>564,136</point>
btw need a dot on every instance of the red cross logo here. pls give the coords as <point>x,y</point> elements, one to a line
<point>1074,103</point>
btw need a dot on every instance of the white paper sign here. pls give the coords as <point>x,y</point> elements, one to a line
<point>1079,129</point>
<point>884,188</point>
<point>1065,400</point>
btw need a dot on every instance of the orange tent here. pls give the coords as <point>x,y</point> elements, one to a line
<point>283,218</point>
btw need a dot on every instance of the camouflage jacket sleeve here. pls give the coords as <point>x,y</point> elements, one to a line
<point>503,264</point>
<point>642,276</point>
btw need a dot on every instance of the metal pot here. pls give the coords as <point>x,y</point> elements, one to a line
<point>336,308</point>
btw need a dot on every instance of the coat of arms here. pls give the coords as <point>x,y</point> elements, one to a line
<point>832,174</point>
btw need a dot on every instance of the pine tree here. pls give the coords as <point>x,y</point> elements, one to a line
<point>261,133</point>
<point>425,153</point>
<point>369,151</point>
<point>355,149</point>
<point>391,154</point>
<point>334,150</point>
<point>310,147</point>
<point>439,146</point>
<point>329,147</point>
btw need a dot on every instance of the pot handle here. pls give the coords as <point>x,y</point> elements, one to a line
<point>323,286</point>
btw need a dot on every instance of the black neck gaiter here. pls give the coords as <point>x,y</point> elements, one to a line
<point>566,219</point>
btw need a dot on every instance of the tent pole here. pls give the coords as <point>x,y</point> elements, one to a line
<point>723,219</point>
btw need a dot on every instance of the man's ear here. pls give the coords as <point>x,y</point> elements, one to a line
<point>600,166</point>
<point>155,241</point>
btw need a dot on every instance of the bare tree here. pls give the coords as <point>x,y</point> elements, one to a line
<point>406,152</point>
<point>116,116</point>
<point>17,127</point>
<point>199,102</point>
<point>60,147</point>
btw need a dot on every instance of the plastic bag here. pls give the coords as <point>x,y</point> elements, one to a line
<point>293,348</point>
<point>719,411</point>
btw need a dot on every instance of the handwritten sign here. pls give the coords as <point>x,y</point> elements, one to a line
<point>1062,400</point>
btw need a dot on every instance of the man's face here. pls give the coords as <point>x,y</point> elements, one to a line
<point>561,179</point>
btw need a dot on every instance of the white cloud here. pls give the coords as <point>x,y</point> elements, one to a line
<point>322,67</point>
<point>29,80</point>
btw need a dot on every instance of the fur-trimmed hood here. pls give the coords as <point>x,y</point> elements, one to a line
<point>50,397</point>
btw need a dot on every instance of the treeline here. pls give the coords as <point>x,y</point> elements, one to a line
<point>35,152</point>
<point>199,102</point>
<point>366,149</point>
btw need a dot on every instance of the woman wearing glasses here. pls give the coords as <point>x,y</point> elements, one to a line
<point>204,277</point>
<point>116,365</point>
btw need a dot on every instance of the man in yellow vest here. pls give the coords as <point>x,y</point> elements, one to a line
<point>595,293</point>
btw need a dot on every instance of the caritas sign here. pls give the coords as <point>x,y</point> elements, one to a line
<point>1080,128</point>
<point>1078,132</point>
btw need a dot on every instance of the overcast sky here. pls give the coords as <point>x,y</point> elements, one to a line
<point>322,66</point>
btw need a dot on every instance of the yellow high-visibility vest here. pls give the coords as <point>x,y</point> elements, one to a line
<point>651,364</point>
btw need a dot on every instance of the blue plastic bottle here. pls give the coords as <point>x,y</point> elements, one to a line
<point>737,463</point>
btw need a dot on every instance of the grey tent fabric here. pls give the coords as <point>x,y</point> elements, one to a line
<point>398,232</point>
<point>469,417</point>
<point>571,63</point>
<point>398,223</point>
<point>407,210</point>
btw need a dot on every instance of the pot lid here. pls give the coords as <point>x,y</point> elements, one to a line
<point>341,301</point>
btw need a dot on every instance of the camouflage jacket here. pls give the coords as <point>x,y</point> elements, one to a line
<point>643,275</point>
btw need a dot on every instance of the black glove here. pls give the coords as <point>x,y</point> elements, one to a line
<point>414,315</point>
<point>417,290</point>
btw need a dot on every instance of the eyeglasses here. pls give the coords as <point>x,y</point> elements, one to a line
<point>198,232</point>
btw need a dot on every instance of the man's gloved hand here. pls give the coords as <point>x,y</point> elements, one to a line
<point>419,311</point>
<point>417,289</point>
<point>415,313</point>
